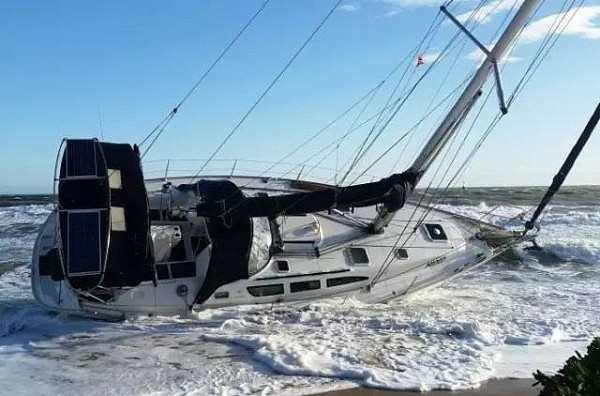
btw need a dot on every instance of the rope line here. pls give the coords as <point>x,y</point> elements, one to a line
<point>165,121</point>
<point>443,53</point>
<point>268,89</point>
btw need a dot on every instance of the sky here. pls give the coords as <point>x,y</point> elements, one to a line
<point>114,69</point>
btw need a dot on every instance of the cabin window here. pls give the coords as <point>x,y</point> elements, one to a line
<point>344,280</point>
<point>178,250</point>
<point>296,287</point>
<point>162,271</point>
<point>401,254</point>
<point>358,255</point>
<point>50,265</point>
<point>183,270</point>
<point>266,290</point>
<point>436,232</point>
<point>261,245</point>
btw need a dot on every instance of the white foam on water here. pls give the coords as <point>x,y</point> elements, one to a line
<point>504,319</point>
<point>24,214</point>
<point>570,232</point>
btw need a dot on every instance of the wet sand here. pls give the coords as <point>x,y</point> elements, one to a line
<point>496,387</point>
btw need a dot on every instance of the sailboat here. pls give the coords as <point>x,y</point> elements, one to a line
<point>117,245</point>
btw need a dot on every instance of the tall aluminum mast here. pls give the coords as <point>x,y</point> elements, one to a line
<point>450,123</point>
<point>464,104</point>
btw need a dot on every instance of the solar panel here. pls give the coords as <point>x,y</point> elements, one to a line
<point>81,158</point>
<point>84,243</point>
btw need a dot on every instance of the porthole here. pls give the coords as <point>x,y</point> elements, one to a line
<point>436,232</point>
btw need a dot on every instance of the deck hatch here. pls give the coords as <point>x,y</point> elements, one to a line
<point>283,266</point>
<point>358,255</point>
<point>296,287</point>
<point>84,243</point>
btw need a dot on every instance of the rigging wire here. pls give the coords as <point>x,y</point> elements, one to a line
<point>386,263</point>
<point>462,143</point>
<point>437,92</point>
<point>497,32</point>
<point>519,88</point>
<point>446,49</point>
<point>377,115</point>
<point>508,56</point>
<point>371,94</point>
<point>165,121</point>
<point>433,27</point>
<point>433,200</point>
<point>533,68</point>
<point>268,89</point>
<point>353,127</point>
<point>414,127</point>
<point>397,142</point>
<point>543,47</point>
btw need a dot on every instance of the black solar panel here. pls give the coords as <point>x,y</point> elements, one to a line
<point>84,243</point>
<point>81,158</point>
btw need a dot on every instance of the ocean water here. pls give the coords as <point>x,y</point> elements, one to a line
<point>525,310</point>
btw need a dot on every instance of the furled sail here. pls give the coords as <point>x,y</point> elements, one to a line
<point>391,192</point>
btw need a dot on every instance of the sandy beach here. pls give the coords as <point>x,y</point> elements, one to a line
<point>496,387</point>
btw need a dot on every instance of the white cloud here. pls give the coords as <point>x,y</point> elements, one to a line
<point>413,3</point>
<point>582,25</point>
<point>348,7</point>
<point>396,6</point>
<point>430,56</point>
<point>485,13</point>
<point>392,12</point>
<point>478,56</point>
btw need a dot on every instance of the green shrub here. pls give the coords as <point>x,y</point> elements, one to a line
<point>580,376</point>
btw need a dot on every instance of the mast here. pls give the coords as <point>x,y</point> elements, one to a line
<point>451,123</point>
<point>564,170</point>
<point>391,192</point>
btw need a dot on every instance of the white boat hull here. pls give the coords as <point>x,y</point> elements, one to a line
<point>317,265</point>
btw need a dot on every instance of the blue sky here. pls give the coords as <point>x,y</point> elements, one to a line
<point>87,68</point>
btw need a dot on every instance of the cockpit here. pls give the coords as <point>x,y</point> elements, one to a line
<point>241,246</point>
